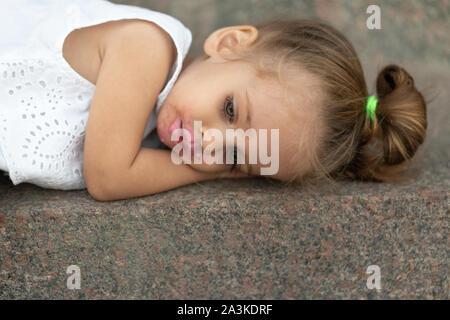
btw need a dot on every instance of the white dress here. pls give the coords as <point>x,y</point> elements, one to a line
<point>44,103</point>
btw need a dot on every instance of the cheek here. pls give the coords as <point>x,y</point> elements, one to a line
<point>194,111</point>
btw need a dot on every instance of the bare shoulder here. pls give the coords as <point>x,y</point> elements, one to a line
<point>84,49</point>
<point>136,32</point>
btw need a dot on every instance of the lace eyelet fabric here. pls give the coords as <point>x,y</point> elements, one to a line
<point>44,113</point>
<point>44,103</point>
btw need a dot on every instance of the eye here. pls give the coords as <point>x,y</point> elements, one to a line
<point>229,108</point>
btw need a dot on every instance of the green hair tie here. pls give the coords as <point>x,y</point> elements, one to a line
<point>371,106</point>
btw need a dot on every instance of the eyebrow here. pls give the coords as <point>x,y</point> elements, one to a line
<point>249,108</point>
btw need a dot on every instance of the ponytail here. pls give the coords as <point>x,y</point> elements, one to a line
<point>399,127</point>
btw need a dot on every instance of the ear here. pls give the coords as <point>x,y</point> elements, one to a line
<point>230,40</point>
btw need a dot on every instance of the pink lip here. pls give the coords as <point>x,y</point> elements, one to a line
<point>178,123</point>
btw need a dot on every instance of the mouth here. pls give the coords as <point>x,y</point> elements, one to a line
<point>178,123</point>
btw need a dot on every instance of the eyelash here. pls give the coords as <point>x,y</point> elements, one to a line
<point>228,100</point>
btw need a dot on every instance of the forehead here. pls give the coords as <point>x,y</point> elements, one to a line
<point>293,110</point>
<point>276,105</point>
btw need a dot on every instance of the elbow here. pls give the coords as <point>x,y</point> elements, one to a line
<point>97,185</point>
<point>97,193</point>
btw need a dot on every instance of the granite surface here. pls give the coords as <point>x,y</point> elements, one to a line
<point>256,239</point>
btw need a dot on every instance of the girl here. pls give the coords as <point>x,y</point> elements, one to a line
<point>86,87</point>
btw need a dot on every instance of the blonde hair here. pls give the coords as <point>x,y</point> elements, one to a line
<point>351,145</point>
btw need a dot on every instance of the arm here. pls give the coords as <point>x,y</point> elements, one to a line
<point>152,171</point>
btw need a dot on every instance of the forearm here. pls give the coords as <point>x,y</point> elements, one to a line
<point>151,172</point>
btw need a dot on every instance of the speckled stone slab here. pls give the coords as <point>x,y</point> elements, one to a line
<point>256,239</point>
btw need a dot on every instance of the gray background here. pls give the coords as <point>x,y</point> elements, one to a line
<point>254,239</point>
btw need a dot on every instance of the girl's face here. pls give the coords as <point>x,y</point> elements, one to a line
<point>225,94</point>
